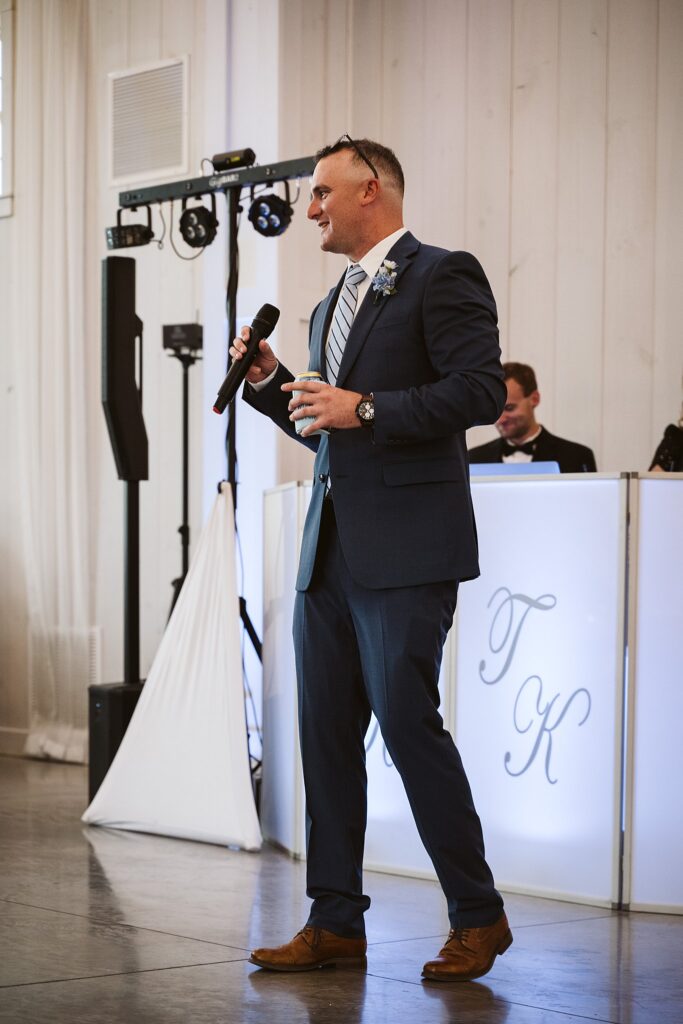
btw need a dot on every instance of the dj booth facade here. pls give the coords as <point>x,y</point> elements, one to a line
<point>561,684</point>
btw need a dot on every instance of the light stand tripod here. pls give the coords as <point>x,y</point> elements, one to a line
<point>183,342</point>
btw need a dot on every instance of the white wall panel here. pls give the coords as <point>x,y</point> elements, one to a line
<point>629,242</point>
<point>367,102</point>
<point>533,231</point>
<point>488,138</point>
<point>667,383</point>
<point>144,31</point>
<point>582,98</point>
<point>442,124</point>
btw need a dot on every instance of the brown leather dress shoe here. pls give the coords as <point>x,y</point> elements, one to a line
<point>311,948</point>
<point>469,952</point>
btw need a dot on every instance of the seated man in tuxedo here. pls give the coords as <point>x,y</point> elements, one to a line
<point>522,438</point>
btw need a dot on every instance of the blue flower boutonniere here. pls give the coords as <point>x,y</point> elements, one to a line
<point>384,280</point>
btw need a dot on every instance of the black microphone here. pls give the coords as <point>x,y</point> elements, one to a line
<point>261,327</point>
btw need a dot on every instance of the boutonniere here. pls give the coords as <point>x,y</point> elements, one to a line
<point>384,280</point>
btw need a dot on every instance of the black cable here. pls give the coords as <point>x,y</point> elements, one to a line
<point>160,243</point>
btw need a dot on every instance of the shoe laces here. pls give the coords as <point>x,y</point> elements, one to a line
<point>458,935</point>
<point>310,935</point>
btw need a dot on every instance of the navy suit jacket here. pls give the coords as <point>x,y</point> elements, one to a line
<point>429,353</point>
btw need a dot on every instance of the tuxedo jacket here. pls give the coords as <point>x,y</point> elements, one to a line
<point>571,457</point>
<point>429,354</point>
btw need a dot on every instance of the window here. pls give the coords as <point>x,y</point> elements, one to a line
<point>6,105</point>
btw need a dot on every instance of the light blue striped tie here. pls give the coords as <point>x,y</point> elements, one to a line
<point>343,318</point>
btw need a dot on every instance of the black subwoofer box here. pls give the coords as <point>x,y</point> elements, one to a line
<point>110,709</point>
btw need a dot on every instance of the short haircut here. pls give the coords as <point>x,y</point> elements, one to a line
<point>384,159</point>
<point>523,374</point>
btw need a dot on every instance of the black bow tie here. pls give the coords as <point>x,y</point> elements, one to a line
<point>528,448</point>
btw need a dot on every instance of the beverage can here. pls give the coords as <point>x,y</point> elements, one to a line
<point>307,420</point>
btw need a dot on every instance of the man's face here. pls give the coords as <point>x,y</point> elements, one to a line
<point>337,189</point>
<point>518,419</point>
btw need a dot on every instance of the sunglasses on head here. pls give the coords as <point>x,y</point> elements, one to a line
<point>346,139</point>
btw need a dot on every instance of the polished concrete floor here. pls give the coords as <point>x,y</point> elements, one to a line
<point>110,927</point>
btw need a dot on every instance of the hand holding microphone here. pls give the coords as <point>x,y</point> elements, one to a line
<point>252,356</point>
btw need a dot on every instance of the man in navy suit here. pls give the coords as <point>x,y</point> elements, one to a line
<point>407,347</point>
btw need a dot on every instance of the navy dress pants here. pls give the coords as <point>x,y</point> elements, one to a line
<point>360,651</point>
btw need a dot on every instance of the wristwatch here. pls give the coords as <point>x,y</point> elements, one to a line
<point>365,411</point>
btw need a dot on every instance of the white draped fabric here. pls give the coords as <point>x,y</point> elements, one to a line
<point>183,767</point>
<point>49,348</point>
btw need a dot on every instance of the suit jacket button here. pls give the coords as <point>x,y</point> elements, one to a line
<point>322,477</point>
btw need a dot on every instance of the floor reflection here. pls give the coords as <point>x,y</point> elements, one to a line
<point>126,928</point>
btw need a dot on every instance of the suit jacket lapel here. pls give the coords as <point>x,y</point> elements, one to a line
<point>541,449</point>
<point>403,253</point>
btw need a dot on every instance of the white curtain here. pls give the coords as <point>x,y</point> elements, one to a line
<point>182,768</point>
<point>49,345</point>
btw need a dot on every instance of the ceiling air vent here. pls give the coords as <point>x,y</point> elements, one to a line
<point>149,121</point>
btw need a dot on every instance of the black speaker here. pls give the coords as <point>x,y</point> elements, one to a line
<point>111,708</point>
<point>121,393</point>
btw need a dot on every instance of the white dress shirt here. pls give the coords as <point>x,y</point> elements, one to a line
<point>521,456</point>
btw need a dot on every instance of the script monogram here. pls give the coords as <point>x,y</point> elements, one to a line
<point>538,718</point>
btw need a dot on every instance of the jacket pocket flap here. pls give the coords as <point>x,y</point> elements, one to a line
<point>431,471</point>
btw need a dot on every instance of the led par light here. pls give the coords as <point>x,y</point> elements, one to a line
<point>270,214</point>
<point>198,225</point>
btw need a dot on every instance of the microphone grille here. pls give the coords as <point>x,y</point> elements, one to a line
<point>269,316</point>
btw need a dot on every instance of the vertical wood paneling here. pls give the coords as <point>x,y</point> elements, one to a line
<point>536,144</point>
<point>533,222</point>
<point>487,215</point>
<point>368,59</point>
<point>181,22</point>
<point>441,125</point>
<point>309,61</point>
<point>580,220</point>
<point>629,245</point>
<point>144,31</point>
<point>404,99</point>
<point>338,52</point>
<point>667,386</point>
<point>302,99</point>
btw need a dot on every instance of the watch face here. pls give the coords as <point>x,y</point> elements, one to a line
<point>366,411</point>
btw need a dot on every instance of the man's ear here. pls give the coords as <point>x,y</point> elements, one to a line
<point>535,398</point>
<point>372,188</point>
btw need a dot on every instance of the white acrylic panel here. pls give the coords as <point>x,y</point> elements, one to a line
<point>657,821</point>
<point>282,801</point>
<point>539,682</point>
